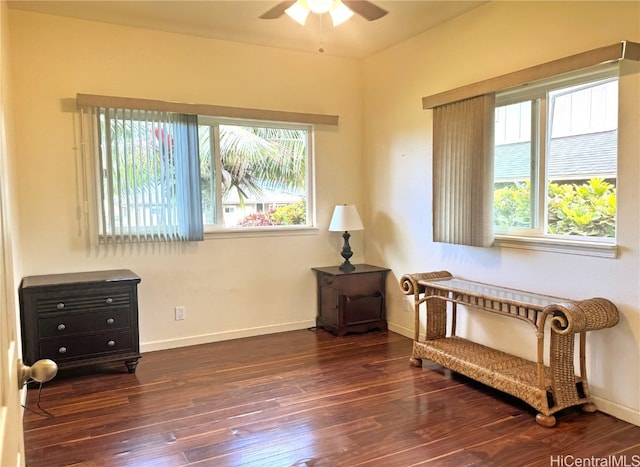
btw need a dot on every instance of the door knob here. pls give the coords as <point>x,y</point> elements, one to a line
<point>41,371</point>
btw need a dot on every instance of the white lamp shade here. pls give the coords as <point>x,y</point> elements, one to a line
<point>345,217</point>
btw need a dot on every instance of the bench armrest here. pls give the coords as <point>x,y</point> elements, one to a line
<point>409,282</point>
<point>582,315</point>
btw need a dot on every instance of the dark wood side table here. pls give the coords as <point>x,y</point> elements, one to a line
<point>81,318</point>
<point>351,301</point>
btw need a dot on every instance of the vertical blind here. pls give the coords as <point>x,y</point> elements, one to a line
<point>148,174</point>
<point>463,172</point>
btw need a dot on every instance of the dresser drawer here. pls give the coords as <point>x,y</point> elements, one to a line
<point>86,346</point>
<point>70,302</point>
<point>78,323</point>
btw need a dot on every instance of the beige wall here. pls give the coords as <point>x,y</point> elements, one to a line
<point>494,39</point>
<point>230,287</point>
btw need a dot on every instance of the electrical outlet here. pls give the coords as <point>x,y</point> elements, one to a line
<point>180,313</point>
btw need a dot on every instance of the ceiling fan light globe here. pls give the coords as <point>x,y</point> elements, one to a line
<point>339,13</point>
<point>298,12</point>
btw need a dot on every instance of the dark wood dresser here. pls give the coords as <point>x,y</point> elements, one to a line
<point>81,318</point>
<point>351,301</point>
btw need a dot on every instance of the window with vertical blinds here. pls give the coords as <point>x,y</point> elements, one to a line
<point>542,163</point>
<point>164,171</point>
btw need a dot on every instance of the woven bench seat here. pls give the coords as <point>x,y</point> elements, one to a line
<point>497,369</point>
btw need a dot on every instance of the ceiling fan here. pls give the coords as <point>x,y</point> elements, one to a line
<point>340,10</point>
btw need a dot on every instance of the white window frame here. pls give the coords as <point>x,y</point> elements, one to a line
<point>218,231</point>
<point>535,237</point>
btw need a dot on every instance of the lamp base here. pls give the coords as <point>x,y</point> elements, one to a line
<point>347,266</point>
<point>346,254</point>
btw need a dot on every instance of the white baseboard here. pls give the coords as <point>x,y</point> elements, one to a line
<point>614,409</point>
<point>223,336</point>
<point>406,332</point>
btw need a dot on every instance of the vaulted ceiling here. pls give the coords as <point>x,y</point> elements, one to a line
<point>238,20</point>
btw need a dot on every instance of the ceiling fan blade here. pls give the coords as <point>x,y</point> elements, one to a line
<point>278,10</point>
<point>366,9</point>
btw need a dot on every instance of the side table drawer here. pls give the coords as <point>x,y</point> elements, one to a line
<point>78,323</point>
<point>90,345</point>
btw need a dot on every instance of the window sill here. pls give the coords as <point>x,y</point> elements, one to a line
<point>601,250</point>
<point>259,232</point>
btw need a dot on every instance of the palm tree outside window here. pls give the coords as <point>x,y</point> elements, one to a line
<point>253,174</point>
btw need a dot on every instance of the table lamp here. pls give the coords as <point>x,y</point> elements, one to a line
<point>345,217</point>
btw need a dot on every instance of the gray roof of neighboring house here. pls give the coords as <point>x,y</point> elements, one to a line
<point>268,196</point>
<point>578,157</point>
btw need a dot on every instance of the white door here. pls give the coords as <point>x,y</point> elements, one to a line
<point>11,430</point>
<point>11,439</point>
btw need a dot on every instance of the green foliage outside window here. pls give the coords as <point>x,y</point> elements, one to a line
<point>291,214</point>
<point>586,210</point>
<point>512,207</point>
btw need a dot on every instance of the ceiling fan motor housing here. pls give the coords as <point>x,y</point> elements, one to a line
<point>320,6</point>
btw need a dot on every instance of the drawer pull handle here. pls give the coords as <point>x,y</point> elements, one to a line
<point>111,343</point>
<point>109,301</point>
<point>60,306</point>
<point>61,327</point>
<point>110,321</point>
<point>62,350</point>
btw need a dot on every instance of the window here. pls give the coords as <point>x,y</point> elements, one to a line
<point>555,158</point>
<point>169,176</point>
<point>258,171</point>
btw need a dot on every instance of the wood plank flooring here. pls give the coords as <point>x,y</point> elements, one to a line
<point>302,398</point>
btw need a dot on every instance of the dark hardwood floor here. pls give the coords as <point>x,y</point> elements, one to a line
<point>302,398</point>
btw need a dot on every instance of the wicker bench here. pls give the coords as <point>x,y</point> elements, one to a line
<point>546,387</point>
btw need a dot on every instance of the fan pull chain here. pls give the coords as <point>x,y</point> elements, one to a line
<point>321,48</point>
